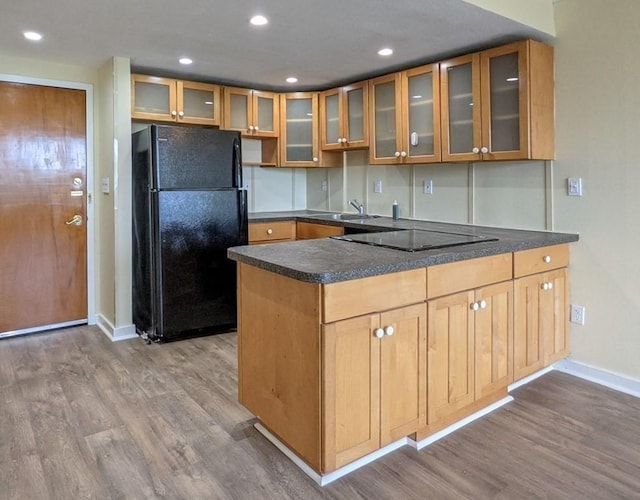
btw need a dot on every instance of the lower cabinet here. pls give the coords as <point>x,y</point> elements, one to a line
<point>470,336</point>
<point>541,321</point>
<point>374,383</point>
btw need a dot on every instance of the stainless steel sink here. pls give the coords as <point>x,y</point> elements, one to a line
<point>345,216</point>
<point>356,216</point>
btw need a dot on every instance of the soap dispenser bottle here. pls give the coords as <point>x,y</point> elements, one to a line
<point>394,210</point>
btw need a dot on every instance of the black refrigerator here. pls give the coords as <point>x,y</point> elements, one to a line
<point>189,206</point>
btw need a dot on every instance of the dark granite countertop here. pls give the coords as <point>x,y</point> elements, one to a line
<point>327,260</point>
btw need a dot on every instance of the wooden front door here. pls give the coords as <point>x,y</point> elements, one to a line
<point>43,158</point>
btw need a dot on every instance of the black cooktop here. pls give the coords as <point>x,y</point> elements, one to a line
<point>413,240</point>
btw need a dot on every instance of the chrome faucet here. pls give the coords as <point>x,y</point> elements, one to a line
<point>357,205</point>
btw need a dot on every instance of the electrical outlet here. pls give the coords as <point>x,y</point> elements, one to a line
<point>577,314</point>
<point>574,186</point>
<point>377,186</point>
<point>427,186</point>
<point>325,186</point>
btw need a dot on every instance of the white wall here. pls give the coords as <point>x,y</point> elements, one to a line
<point>597,137</point>
<point>272,189</point>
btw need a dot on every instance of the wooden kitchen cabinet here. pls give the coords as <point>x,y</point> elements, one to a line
<point>299,133</point>
<point>385,353</point>
<point>310,231</point>
<point>405,125</point>
<point>541,305</point>
<point>177,101</point>
<point>469,335</point>
<point>499,104</point>
<point>344,117</point>
<point>255,113</point>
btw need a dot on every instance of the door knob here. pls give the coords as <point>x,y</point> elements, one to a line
<point>76,220</point>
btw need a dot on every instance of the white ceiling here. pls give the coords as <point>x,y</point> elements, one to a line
<point>322,42</point>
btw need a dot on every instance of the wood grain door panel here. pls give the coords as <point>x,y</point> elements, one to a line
<point>43,272</point>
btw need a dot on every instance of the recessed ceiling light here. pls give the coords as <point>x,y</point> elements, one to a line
<point>32,35</point>
<point>185,60</point>
<point>385,52</point>
<point>258,20</point>
<point>292,79</point>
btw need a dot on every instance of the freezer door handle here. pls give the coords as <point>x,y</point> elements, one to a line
<point>237,163</point>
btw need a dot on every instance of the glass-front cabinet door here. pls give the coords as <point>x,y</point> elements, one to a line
<point>299,137</point>
<point>153,98</point>
<point>198,103</point>
<point>461,109</point>
<point>384,99</point>
<point>505,113</point>
<point>421,98</point>
<point>252,112</point>
<point>344,120</point>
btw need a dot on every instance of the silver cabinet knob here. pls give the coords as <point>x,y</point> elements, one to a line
<point>269,231</point>
<point>483,304</point>
<point>403,154</point>
<point>546,259</point>
<point>546,286</point>
<point>315,159</point>
<point>255,128</point>
<point>484,150</point>
<point>475,151</point>
<point>397,154</point>
<point>251,127</point>
<point>181,114</point>
<point>379,332</point>
<point>174,113</point>
<point>389,330</point>
<point>475,306</point>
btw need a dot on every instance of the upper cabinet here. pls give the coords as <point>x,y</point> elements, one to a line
<point>252,112</point>
<point>299,144</point>
<point>178,101</point>
<point>344,117</point>
<point>499,104</point>
<point>406,117</point>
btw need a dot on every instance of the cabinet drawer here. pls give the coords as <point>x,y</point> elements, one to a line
<point>347,299</point>
<point>455,277</point>
<point>309,231</point>
<point>538,260</point>
<point>263,232</point>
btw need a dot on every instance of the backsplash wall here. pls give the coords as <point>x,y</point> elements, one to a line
<point>507,194</point>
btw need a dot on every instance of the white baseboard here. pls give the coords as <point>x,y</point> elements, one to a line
<point>115,334</point>
<point>325,479</point>
<point>418,445</point>
<point>530,378</point>
<point>613,380</point>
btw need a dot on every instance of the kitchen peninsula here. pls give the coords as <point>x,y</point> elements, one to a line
<point>345,349</point>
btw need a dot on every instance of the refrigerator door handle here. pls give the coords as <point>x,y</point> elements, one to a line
<point>242,208</point>
<point>237,163</point>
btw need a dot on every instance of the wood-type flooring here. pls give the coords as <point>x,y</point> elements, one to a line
<point>82,417</point>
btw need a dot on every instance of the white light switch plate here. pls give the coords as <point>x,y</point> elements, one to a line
<point>104,185</point>
<point>377,186</point>
<point>574,186</point>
